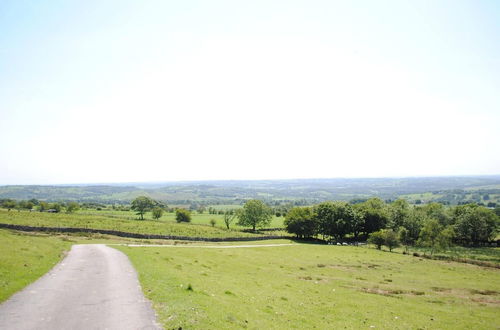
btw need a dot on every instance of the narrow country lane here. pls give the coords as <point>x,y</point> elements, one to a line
<point>94,287</point>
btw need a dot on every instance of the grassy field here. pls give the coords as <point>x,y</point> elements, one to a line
<point>113,222</point>
<point>308,286</point>
<point>197,218</point>
<point>24,258</point>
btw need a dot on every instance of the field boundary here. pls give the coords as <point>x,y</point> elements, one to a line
<point>137,235</point>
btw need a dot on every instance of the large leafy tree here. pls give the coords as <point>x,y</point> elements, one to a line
<point>475,224</point>
<point>141,205</point>
<point>374,213</point>
<point>301,222</point>
<point>334,218</point>
<point>399,211</point>
<point>255,214</point>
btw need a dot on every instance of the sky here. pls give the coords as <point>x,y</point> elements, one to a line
<point>129,91</point>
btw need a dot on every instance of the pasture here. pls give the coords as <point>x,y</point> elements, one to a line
<point>114,220</point>
<point>24,258</point>
<point>314,286</point>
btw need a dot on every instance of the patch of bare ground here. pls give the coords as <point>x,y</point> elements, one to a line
<point>391,292</point>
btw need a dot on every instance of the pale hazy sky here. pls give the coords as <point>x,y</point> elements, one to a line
<point>113,91</point>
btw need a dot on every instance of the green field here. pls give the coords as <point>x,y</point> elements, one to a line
<point>24,258</point>
<point>197,218</point>
<point>307,286</point>
<point>114,221</point>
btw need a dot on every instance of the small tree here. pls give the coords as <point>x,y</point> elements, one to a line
<point>229,216</point>
<point>157,212</point>
<point>377,238</point>
<point>435,236</point>
<point>43,206</point>
<point>213,222</point>
<point>56,207</point>
<point>182,215</point>
<point>391,239</point>
<point>301,222</point>
<point>255,213</point>
<point>72,207</point>
<point>404,237</point>
<point>141,205</point>
<point>9,204</point>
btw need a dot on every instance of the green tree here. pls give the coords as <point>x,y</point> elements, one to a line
<point>377,238</point>
<point>391,239</point>
<point>57,207</point>
<point>398,213</point>
<point>334,219</point>
<point>375,215</point>
<point>435,236</point>
<point>405,238</point>
<point>301,222</point>
<point>255,214</point>
<point>213,222</point>
<point>9,204</point>
<point>141,205</point>
<point>229,217</point>
<point>182,215</point>
<point>475,224</point>
<point>72,207</point>
<point>43,206</point>
<point>157,212</point>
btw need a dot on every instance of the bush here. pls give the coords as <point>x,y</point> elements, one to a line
<point>157,212</point>
<point>182,215</point>
<point>377,238</point>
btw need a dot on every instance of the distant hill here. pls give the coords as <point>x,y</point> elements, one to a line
<point>305,190</point>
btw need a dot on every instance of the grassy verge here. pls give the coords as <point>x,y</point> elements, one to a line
<point>24,258</point>
<point>159,227</point>
<point>307,286</point>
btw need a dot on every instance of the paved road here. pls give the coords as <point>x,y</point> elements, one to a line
<point>94,287</point>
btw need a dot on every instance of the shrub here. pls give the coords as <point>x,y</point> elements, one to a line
<point>182,215</point>
<point>377,238</point>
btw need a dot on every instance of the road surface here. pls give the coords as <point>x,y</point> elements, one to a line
<point>94,287</point>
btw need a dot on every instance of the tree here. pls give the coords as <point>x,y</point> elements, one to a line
<point>9,204</point>
<point>377,238</point>
<point>301,222</point>
<point>435,236</point>
<point>398,212</point>
<point>229,216</point>
<point>405,238</point>
<point>157,212</point>
<point>141,205</point>
<point>182,215</point>
<point>56,207</point>
<point>254,213</point>
<point>375,215</point>
<point>334,218</point>
<point>213,222</point>
<point>43,206</point>
<point>475,224</point>
<point>72,206</point>
<point>391,239</point>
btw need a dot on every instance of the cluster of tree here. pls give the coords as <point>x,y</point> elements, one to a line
<point>464,224</point>
<point>143,204</point>
<point>36,205</point>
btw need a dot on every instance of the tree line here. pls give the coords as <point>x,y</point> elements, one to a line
<point>397,222</point>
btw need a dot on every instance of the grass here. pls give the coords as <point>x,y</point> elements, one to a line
<point>196,218</point>
<point>307,286</point>
<point>24,258</point>
<point>104,221</point>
